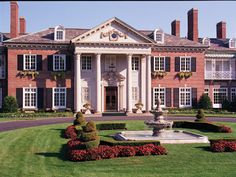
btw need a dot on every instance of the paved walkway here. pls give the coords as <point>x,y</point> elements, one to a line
<point>5,126</point>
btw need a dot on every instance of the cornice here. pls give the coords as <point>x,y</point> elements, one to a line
<point>37,46</point>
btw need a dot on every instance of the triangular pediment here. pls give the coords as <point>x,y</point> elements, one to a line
<point>113,31</point>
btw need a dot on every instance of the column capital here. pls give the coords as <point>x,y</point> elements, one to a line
<point>98,54</point>
<point>129,54</point>
<point>77,54</point>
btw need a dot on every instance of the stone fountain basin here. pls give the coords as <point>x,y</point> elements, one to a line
<point>166,137</point>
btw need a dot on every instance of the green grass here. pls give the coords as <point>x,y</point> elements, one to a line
<point>38,152</point>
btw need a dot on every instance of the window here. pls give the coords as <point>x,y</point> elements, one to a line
<point>86,62</point>
<point>135,94</point>
<point>159,36</point>
<point>2,67</point>
<point>59,97</point>
<point>220,95</point>
<point>185,64</point>
<point>233,94</point>
<point>30,97</point>
<point>206,91</point>
<point>206,41</point>
<point>1,38</point>
<point>0,97</point>
<point>159,92</point>
<point>59,33</point>
<point>30,62</point>
<point>185,97</point>
<point>110,63</point>
<point>232,43</point>
<point>85,95</point>
<point>159,63</point>
<point>59,62</point>
<point>135,63</point>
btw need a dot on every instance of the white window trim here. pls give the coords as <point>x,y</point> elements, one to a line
<point>218,105</point>
<point>134,58</point>
<point>190,64</point>
<point>55,33</point>
<point>154,68</point>
<point>64,58</point>
<point>185,106</point>
<point>1,99</point>
<point>153,97</point>
<point>162,35</point>
<point>206,39</point>
<point>53,104</point>
<point>30,61</point>
<point>230,46</point>
<point>86,63</point>
<point>36,99</point>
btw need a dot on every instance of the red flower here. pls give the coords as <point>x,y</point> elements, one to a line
<point>71,132</point>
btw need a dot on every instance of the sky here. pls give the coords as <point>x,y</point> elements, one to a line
<point>141,15</point>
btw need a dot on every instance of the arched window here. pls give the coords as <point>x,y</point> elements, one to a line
<point>159,36</point>
<point>59,33</point>
<point>206,41</point>
<point>232,43</point>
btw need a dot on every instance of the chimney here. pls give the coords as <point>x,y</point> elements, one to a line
<point>22,26</point>
<point>175,28</point>
<point>14,19</point>
<point>221,30</point>
<point>193,25</point>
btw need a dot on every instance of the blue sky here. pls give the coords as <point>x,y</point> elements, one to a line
<point>140,15</point>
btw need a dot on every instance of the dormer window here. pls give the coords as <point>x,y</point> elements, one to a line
<point>159,36</point>
<point>232,43</point>
<point>59,33</point>
<point>206,41</point>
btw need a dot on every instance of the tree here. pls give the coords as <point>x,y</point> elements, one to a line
<point>205,102</point>
<point>10,104</point>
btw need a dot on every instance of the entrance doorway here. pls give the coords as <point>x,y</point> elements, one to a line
<point>111,100</point>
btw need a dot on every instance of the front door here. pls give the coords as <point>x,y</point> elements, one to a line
<point>110,99</point>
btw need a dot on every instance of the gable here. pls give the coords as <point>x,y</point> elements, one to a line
<point>112,31</point>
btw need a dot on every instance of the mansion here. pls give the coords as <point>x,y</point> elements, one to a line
<point>113,66</point>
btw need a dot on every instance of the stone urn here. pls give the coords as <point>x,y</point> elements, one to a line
<point>87,107</point>
<point>139,107</point>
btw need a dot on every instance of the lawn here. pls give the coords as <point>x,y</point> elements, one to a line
<point>38,151</point>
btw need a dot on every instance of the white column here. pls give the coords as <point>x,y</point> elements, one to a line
<point>129,83</point>
<point>143,81</point>
<point>148,86</point>
<point>98,82</point>
<point>77,83</point>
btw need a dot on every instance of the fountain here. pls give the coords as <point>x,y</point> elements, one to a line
<point>158,124</point>
<point>160,133</point>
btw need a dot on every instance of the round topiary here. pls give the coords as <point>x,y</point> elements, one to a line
<point>89,144</point>
<point>89,127</point>
<point>200,116</point>
<point>79,120</point>
<point>9,104</point>
<point>88,136</point>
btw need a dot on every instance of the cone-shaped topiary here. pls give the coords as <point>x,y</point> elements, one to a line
<point>79,120</point>
<point>200,116</point>
<point>205,102</point>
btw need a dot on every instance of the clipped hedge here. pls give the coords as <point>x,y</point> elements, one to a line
<point>223,145</point>
<point>202,126</point>
<point>111,142</point>
<point>111,126</point>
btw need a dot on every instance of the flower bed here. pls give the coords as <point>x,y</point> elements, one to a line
<point>108,152</point>
<point>70,132</point>
<point>223,145</point>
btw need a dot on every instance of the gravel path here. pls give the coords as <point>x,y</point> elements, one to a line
<point>6,126</point>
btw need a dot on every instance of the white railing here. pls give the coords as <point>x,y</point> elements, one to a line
<point>225,75</point>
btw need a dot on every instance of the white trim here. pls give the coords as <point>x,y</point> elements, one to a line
<point>159,31</point>
<point>1,99</point>
<point>86,58</point>
<point>232,40</point>
<point>53,102</point>
<point>153,96</point>
<point>185,57</point>
<point>154,63</point>
<point>217,90</point>
<point>57,30</point>
<point>206,39</point>
<point>30,56</point>
<point>135,58</point>
<point>61,56</point>
<point>36,98</point>
<point>220,55</point>
<point>185,106</point>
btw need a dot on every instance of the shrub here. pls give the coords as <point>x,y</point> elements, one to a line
<point>205,102</point>
<point>73,144</point>
<point>223,145</point>
<point>111,142</point>
<point>200,116</point>
<point>226,105</point>
<point>79,120</point>
<point>106,152</point>
<point>126,151</point>
<point>225,129</point>
<point>89,127</point>
<point>88,136</point>
<point>9,104</point>
<point>111,126</point>
<point>70,132</point>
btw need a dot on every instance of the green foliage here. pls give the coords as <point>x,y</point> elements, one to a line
<point>200,116</point>
<point>112,142</point>
<point>79,120</point>
<point>89,127</point>
<point>10,104</point>
<point>111,126</point>
<point>88,136</point>
<point>205,102</point>
<point>229,105</point>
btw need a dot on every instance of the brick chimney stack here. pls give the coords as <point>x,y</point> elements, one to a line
<point>14,19</point>
<point>193,25</point>
<point>22,25</point>
<point>175,28</point>
<point>221,30</point>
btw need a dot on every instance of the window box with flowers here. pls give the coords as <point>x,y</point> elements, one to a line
<point>31,74</point>
<point>58,75</point>
<point>159,74</point>
<point>184,75</point>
